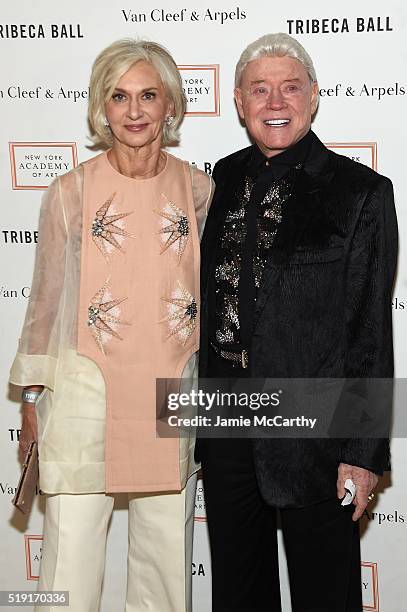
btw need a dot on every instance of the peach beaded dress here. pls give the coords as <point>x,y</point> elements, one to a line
<point>114,305</point>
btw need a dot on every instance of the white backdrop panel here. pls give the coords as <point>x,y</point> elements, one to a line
<point>47,50</point>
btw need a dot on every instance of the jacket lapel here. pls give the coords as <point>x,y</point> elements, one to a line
<point>299,212</point>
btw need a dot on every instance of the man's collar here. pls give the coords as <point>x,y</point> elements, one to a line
<point>281,163</point>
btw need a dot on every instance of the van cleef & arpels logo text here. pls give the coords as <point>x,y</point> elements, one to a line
<point>183,15</point>
<point>42,92</point>
<point>370,91</point>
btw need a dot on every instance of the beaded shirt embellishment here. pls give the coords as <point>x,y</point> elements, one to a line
<point>103,316</point>
<point>181,316</point>
<point>107,230</point>
<point>174,230</point>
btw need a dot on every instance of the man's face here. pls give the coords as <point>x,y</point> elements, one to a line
<point>276,101</point>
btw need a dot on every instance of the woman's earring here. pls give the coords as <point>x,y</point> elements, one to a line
<point>169,119</point>
<point>106,123</point>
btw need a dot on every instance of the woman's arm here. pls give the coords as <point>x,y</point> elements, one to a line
<point>29,431</point>
<point>33,366</point>
<point>35,361</point>
<point>203,188</point>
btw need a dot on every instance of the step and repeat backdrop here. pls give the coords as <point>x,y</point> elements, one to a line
<point>46,50</point>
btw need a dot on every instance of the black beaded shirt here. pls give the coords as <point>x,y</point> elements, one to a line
<point>248,233</point>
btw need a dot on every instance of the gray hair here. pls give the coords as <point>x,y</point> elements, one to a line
<point>278,45</point>
<point>109,67</point>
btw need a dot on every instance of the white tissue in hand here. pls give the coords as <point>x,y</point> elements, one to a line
<point>350,492</point>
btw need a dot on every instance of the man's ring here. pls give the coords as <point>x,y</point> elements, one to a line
<point>370,497</point>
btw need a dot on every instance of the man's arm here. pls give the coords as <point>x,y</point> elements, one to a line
<point>369,354</point>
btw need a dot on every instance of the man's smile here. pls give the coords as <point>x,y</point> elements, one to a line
<point>276,122</point>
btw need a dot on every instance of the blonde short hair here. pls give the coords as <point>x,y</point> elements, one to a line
<point>109,67</point>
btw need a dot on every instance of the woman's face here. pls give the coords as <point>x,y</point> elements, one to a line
<point>138,107</point>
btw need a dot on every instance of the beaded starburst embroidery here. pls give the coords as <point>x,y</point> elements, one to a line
<point>182,312</point>
<point>108,230</point>
<point>103,316</point>
<point>175,228</point>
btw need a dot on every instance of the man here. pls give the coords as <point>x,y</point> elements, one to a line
<point>298,256</point>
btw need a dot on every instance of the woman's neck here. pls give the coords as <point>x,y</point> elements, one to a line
<point>137,163</point>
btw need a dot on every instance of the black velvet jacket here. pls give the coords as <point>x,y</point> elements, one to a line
<point>323,309</point>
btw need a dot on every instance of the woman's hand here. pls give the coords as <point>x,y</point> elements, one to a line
<point>29,430</point>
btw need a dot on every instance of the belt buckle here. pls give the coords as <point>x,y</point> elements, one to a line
<point>245,359</point>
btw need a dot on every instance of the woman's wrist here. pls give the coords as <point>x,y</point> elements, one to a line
<point>31,394</point>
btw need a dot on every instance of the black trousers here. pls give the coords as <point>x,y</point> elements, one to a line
<point>321,542</point>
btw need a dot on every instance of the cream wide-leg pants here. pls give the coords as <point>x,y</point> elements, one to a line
<point>159,555</point>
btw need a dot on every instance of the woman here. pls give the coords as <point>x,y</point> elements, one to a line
<point>114,305</point>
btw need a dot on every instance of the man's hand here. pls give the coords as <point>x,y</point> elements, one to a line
<point>28,429</point>
<point>365,482</point>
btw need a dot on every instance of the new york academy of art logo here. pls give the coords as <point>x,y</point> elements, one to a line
<point>33,551</point>
<point>362,152</point>
<point>200,509</point>
<point>370,587</point>
<point>34,165</point>
<point>201,87</point>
